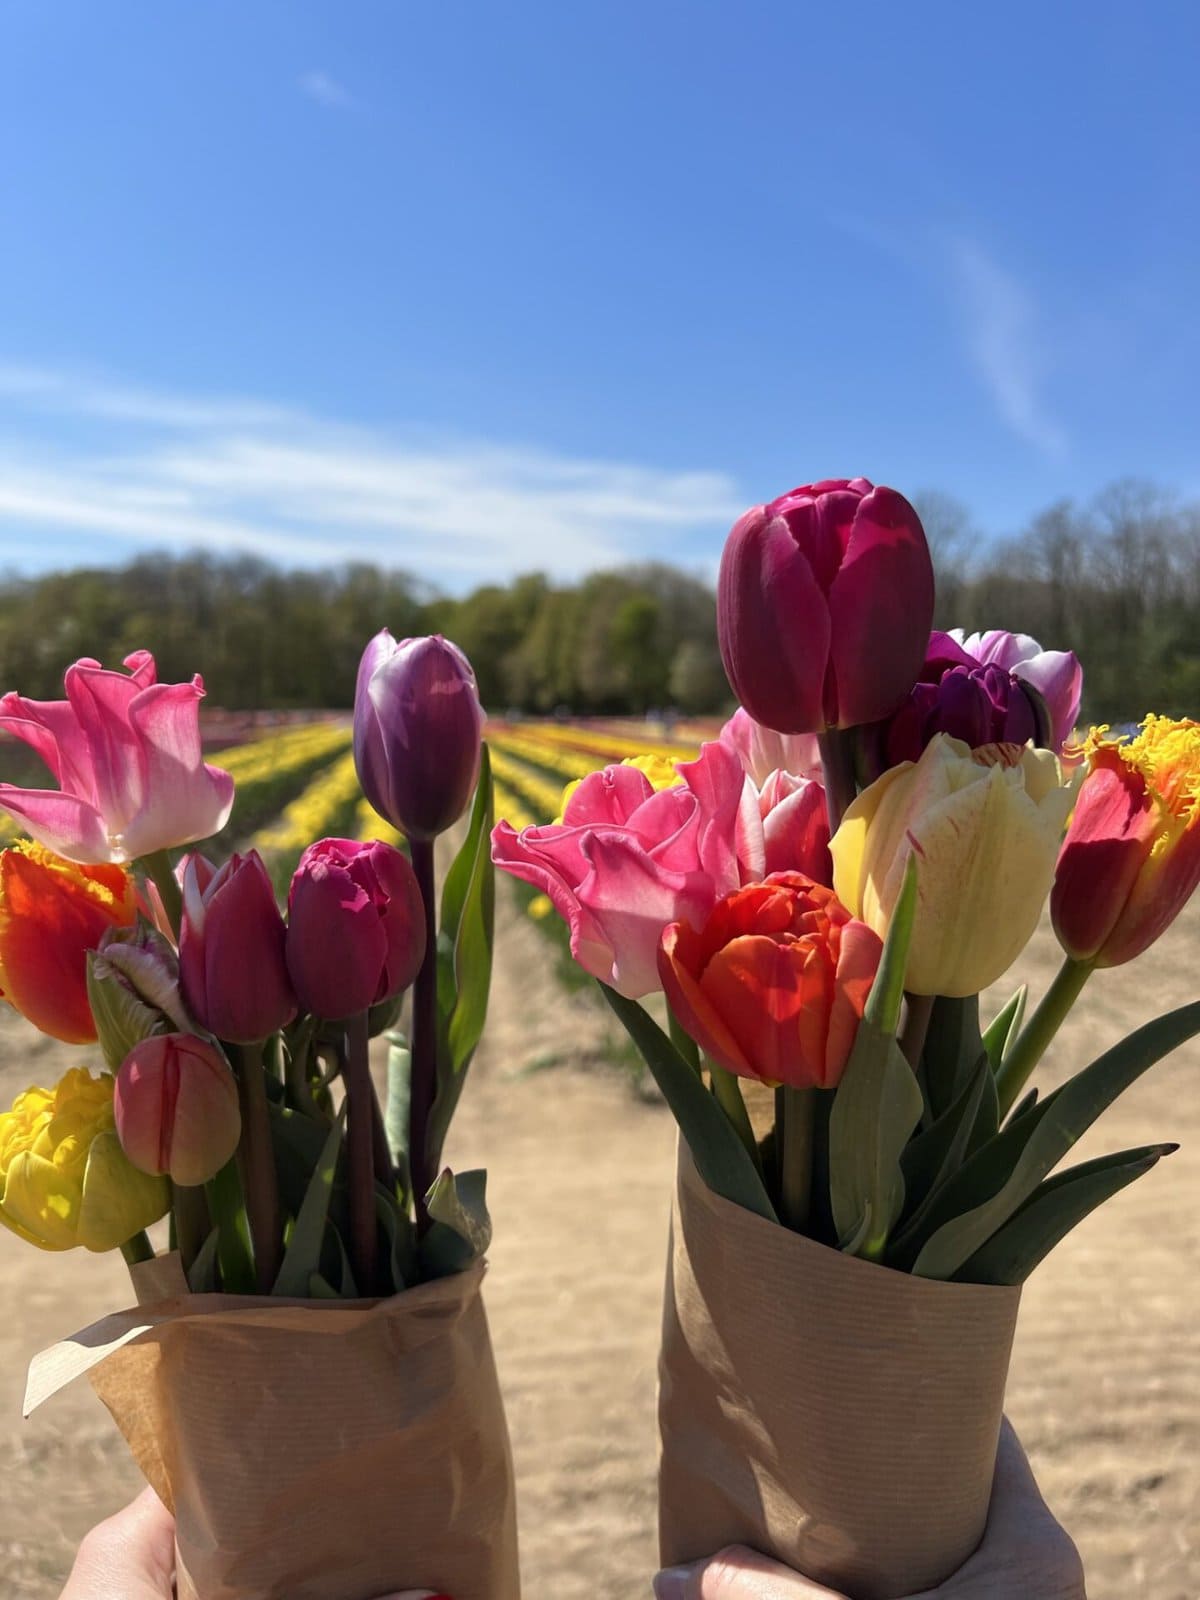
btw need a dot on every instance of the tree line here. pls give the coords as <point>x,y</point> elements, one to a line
<point>1116,579</point>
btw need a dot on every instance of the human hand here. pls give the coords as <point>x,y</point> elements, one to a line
<point>132,1557</point>
<point>1024,1552</point>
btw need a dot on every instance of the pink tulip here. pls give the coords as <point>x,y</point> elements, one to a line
<point>1055,674</point>
<point>628,859</point>
<point>232,967</point>
<point>762,751</point>
<point>176,1108</point>
<point>796,827</point>
<point>824,602</point>
<point>125,751</point>
<point>356,926</point>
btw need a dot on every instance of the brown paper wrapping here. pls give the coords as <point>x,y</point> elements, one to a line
<point>313,1451</point>
<point>836,1415</point>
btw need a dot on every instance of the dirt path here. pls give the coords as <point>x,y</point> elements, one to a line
<point>1106,1380</point>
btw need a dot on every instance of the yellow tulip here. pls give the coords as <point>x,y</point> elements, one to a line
<point>64,1179</point>
<point>985,826</point>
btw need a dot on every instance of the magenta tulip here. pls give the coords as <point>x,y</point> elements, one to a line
<point>125,752</point>
<point>417,732</point>
<point>796,827</point>
<point>824,602</point>
<point>356,926</point>
<point>627,859</point>
<point>232,965</point>
<point>176,1108</point>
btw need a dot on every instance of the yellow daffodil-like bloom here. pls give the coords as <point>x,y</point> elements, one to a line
<point>1132,854</point>
<point>64,1179</point>
<point>985,826</point>
<point>661,774</point>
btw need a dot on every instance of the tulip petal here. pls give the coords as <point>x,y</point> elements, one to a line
<point>181,798</point>
<point>51,728</point>
<point>42,1201</point>
<point>632,899</point>
<point>677,962</point>
<point>608,798</point>
<point>62,822</point>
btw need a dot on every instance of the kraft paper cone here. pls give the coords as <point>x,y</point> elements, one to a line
<point>836,1415</point>
<point>314,1451</point>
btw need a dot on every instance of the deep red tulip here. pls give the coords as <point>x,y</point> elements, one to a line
<point>232,966</point>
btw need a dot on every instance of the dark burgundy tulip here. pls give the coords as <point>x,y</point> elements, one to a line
<point>418,727</point>
<point>232,968</point>
<point>356,926</point>
<point>824,602</point>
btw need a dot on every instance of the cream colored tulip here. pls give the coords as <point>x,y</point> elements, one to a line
<point>986,827</point>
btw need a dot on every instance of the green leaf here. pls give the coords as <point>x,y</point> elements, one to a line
<point>878,1102</point>
<point>953,1050</point>
<point>1001,1176</point>
<point>460,1229</point>
<point>399,1097</point>
<point>1053,1209</point>
<point>877,1106</point>
<point>721,1158</point>
<point>401,1236</point>
<point>302,1258</point>
<point>202,1274</point>
<point>931,1159</point>
<point>1004,1028</point>
<point>465,943</point>
<point>227,1208</point>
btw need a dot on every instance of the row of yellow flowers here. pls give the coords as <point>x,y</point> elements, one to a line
<point>540,795</point>
<point>318,810</point>
<point>606,745</point>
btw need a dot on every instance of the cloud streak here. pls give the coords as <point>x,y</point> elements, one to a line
<point>120,467</point>
<point>326,91</point>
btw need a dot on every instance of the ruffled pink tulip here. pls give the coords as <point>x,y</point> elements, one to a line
<point>627,859</point>
<point>762,751</point>
<point>356,926</point>
<point>824,602</point>
<point>795,822</point>
<point>176,1108</point>
<point>232,967</point>
<point>125,751</point>
<point>1055,674</point>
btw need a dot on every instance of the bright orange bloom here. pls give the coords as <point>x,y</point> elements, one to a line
<point>1131,858</point>
<point>52,912</point>
<point>774,984</point>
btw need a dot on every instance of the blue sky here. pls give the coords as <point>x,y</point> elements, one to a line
<point>474,289</point>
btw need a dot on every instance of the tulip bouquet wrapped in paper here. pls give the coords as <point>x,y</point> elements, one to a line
<point>314,1337</point>
<point>864,1180</point>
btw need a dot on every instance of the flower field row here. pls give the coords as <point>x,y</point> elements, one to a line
<point>598,742</point>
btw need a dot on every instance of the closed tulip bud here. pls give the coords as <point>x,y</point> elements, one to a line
<point>1131,859</point>
<point>64,1179</point>
<point>133,990</point>
<point>356,926</point>
<point>418,730</point>
<point>774,982</point>
<point>52,913</point>
<point>824,602</point>
<point>232,964</point>
<point>986,826</point>
<point>176,1108</point>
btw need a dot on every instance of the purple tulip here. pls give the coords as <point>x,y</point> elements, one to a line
<point>232,968</point>
<point>1055,674</point>
<point>824,602</point>
<point>356,926</point>
<point>418,726</point>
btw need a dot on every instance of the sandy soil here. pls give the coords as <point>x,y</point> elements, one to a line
<point>1106,1379</point>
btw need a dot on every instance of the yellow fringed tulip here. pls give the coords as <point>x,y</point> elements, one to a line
<point>64,1179</point>
<point>985,826</point>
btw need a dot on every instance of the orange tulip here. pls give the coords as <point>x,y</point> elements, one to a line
<point>1131,858</point>
<point>774,984</point>
<point>52,912</point>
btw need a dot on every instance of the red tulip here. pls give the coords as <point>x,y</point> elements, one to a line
<point>824,602</point>
<point>232,967</point>
<point>773,986</point>
<point>52,912</point>
<point>176,1108</point>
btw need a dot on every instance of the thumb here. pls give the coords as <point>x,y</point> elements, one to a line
<point>737,1574</point>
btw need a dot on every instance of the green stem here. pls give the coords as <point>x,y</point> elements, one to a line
<point>683,1042</point>
<point>1035,1037</point>
<point>360,1154</point>
<point>190,1214</point>
<point>296,1068</point>
<point>227,1207</point>
<point>796,1157</point>
<point>138,1248</point>
<point>837,770</point>
<point>258,1165</point>
<point>424,1036</point>
<point>728,1092</point>
<point>159,870</point>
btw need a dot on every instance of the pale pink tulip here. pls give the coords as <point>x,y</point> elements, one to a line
<point>125,750</point>
<point>795,822</point>
<point>628,859</point>
<point>762,751</point>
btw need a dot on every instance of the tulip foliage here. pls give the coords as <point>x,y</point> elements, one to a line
<point>236,1094</point>
<point>823,896</point>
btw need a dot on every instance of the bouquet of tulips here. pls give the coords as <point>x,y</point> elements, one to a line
<point>307,1379</point>
<point>866,1176</point>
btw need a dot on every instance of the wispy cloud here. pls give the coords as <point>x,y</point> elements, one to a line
<point>1006,343</point>
<point>124,467</point>
<point>326,91</point>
